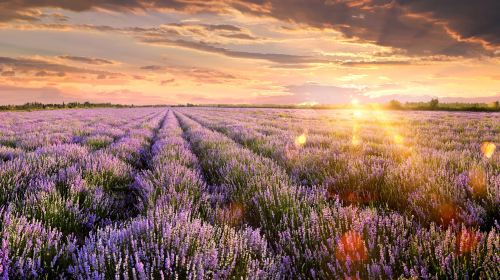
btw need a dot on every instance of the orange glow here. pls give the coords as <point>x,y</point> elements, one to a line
<point>447,213</point>
<point>355,140</point>
<point>358,197</point>
<point>488,149</point>
<point>478,180</point>
<point>232,214</point>
<point>467,241</point>
<point>398,139</point>
<point>351,246</point>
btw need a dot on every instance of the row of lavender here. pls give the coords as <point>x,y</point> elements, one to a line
<point>315,236</point>
<point>166,226</point>
<point>220,211</point>
<point>436,166</point>
<point>64,174</point>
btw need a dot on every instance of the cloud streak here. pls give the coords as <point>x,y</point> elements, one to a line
<point>37,68</point>
<point>449,27</point>
<point>272,57</point>
<point>199,74</point>
<point>87,60</point>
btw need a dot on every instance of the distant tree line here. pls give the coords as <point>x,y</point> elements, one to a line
<point>71,105</point>
<point>434,104</point>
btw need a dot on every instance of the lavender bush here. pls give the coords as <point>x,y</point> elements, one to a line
<point>210,193</point>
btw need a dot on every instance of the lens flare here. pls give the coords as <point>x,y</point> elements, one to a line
<point>398,139</point>
<point>478,180</point>
<point>301,140</point>
<point>355,140</point>
<point>447,213</point>
<point>351,246</point>
<point>488,149</point>
<point>232,214</point>
<point>358,113</point>
<point>467,241</point>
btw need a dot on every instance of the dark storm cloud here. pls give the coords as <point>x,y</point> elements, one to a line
<point>448,27</point>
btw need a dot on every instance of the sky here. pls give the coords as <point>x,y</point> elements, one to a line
<point>249,51</point>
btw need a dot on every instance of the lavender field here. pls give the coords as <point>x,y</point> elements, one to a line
<point>208,193</point>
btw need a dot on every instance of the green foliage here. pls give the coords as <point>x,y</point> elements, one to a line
<point>434,103</point>
<point>72,105</point>
<point>394,104</point>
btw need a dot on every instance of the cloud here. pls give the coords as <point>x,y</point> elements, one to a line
<point>165,82</point>
<point>467,19</point>
<point>206,32</point>
<point>126,96</point>
<point>165,36</point>
<point>377,62</point>
<point>21,95</point>
<point>387,23</point>
<point>312,92</point>
<point>87,60</point>
<point>27,10</point>
<point>43,68</point>
<point>272,57</point>
<point>479,99</point>
<point>49,74</point>
<point>449,27</point>
<point>199,74</point>
<point>8,74</point>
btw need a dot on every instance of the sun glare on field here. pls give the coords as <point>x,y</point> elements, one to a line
<point>467,241</point>
<point>270,139</point>
<point>301,140</point>
<point>478,180</point>
<point>398,139</point>
<point>355,140</point>
<point>351,246</point>
<point>488,149</point>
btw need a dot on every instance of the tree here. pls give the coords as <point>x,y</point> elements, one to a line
<point>434,103</point>
<point>496,104</point>
<point>394,104</point>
